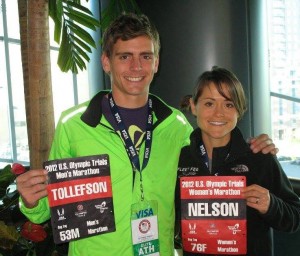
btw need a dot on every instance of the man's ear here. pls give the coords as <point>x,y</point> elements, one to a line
<point>105,63</point>
<point>156,64</point>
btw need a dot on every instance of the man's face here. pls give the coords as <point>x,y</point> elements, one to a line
<point>131,67</point>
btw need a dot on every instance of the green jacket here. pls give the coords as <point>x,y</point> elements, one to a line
<point>83,130</point>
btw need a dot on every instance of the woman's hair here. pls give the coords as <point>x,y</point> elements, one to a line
<point>220,77</point>
<point>129,26</point>
<point>185,103</point>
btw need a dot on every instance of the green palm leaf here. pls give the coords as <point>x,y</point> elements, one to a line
<point>116,8</point>
<point>72,20</point>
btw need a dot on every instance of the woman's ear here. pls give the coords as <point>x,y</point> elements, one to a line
<point>193,107</point>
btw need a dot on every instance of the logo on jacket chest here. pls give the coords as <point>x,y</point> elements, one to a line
<point>188,171</point>
<point>240,168</point>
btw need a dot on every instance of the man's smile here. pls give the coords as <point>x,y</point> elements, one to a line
<point>134,79</point>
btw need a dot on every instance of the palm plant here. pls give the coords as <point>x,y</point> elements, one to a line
<point>72,22</point>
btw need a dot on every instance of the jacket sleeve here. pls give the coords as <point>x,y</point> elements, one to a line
<point>284,210</point>
<point>187,130</point>
<point>177,229</point>
<point>38,214</point>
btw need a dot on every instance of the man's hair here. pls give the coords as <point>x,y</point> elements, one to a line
<point>219,77</point>
<point>129,26</point>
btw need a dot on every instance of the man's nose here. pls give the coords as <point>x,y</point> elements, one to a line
<point>136,64</point>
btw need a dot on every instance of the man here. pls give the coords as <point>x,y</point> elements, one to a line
<point>130,57</point>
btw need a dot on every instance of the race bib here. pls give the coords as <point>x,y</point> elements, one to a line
<point>80,197</point>
<point>213,214</point>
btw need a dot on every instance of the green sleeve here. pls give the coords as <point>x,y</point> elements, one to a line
<point>38,214</point>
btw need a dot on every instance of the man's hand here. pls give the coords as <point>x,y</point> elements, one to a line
<point>263,143</point>
<point>32,186</point>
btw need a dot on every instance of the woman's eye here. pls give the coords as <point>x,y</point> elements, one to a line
<point>230,105</point>
<point>208,104</point>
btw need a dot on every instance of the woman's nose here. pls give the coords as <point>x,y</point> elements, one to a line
<point>219,111</point>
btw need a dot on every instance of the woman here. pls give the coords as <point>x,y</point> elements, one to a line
<point>218,148</point>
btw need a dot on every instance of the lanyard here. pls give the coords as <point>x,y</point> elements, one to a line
<point>130,148</point>
<point>204,155</point>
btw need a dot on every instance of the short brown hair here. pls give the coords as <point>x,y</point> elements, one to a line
<point>129,26</point>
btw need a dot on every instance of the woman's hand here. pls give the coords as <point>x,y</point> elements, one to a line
<point>257,197</point>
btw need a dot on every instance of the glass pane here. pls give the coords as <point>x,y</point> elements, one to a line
<point>83,86</point>
<point>286,134</point>
<point>51,33</point>
<point>62,87</point>
<point>284,46</point>
<point>82,80</point>
<point>5,145</point>
<point>12,15</point>
<point>1,20</point>
<point>19,103</point>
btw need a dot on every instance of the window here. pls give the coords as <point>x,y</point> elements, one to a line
<point>284,52</point>
<point>73,90</point>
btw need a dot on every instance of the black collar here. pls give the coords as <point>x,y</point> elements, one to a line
<point>236,147</point>
<point>92,115</point>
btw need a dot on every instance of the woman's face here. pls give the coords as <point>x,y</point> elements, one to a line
<point>216,115</point>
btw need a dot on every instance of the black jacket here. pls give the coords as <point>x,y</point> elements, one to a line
<point>237,159</point>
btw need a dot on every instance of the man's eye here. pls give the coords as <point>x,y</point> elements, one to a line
<point>147,57</point>
<point>124,57</point>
